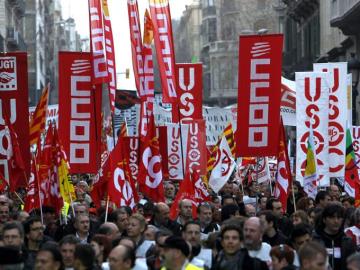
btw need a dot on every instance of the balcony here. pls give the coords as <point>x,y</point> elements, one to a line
<point>345,14</point>
<point>19,7</point>
<point>301,10</point>
<point>14,40</point>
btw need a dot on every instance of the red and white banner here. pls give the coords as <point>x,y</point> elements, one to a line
<point>174,152</point>
<point>14,104</point>
<point>97,43</point>
<point>79,112</point>
<point>132,155</point>
<point>189,90</point>
<point>110,55</point>
<point>337,115</point>
<point>163,36</point>
<point>260,60</point>
<point>349,99</point>
<point>312,108</point>
<point>136,42</point>
<point>355,132</point>
<point>261,170</point>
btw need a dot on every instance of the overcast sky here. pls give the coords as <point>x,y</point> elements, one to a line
<point>119,19</point>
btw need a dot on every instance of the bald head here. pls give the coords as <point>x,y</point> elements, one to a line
<point>252,233</point>
<point>121,258</point>
<point>109,229</point>
<point>161,213</point>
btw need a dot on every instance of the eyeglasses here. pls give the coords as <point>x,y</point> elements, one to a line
<point>38,229</point>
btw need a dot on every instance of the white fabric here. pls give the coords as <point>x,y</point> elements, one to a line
<point>263,253</point>
<point>141,250</point>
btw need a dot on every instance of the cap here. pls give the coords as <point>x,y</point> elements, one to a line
<point>177,242</point>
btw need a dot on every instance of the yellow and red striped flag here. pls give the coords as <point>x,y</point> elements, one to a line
<point>38,121</point>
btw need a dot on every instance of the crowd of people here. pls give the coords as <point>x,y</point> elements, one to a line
<point>239,228</point>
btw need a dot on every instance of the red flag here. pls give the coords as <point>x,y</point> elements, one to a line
<point>32,192</point>
<point>283,177</point>
<point>201,192</point>
<point>15,161</point>
<point>3,183</point>
<point>186,191</point>
<point>101,179</point>
<point>150,176</point>
<point>110,54</point>
<point>163,36</point>
<point>122,190</point>
<point>259,92</point>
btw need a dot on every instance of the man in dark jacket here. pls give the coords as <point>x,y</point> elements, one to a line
<point>233,256</point>
<point>330,233</point>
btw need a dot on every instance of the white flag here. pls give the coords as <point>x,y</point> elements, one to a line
<point>223,168</point>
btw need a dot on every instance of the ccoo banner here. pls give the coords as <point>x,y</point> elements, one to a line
<point>337,115</point>
<point>260,59</point>
<point>79,111</point>
<point>14,104</point>
<point>312,109</point>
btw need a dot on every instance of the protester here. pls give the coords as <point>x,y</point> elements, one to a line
<point>84,257</point>
<point>313,256</point>
<point>82,228</point>
<point>322,199</point>
<point>49,257</point>
<point>205,217</point>
<point>122,258</point>
<point>67,248</point>
<point>282,257</point>
<point>271,235</point>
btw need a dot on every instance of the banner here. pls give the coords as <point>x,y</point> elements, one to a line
<point>349,99</point>
<point>288,102</point>
<point>337,115</point>
<point>110,55</point>
<point>260,60</point>
<point>174,152</point>
<point>132,155</point>
<point>189,91</point>
<point>79,112</point>
<point>312,106</point>
<point>355,132</point>
<point>52,114</point>
<point>14,104</point>
<point>163,36</point>
<point>97,43</point>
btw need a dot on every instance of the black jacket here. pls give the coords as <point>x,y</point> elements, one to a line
<point>239,261</point>
<point>333,243</point>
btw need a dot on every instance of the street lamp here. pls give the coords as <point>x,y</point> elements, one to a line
<point>354,68</point>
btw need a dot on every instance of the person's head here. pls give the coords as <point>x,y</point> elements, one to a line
<point>109,229</point>
<point>161,213</point>
<point>253,231</point>
<point>228,211</point>
<point>348,202</point>
<point>67,248</point>
<point>250,210</point>
<point>281,256</point>
<point>334,192</point>
<point>204,212</point>
<point>300,235</point>
<point>262,202</point>
<point>231,238</point>
<point>49,257</point>
<point>227,188</point>
<point>137,226</point>
<point>353,261</point>
<point>4,213</point>
<point>84,257</point>
<point>150,232</point>
<point>170,190</point>
<point>268,220</point>
<point>82,224</point>
<point>13,234</point>
<point>175,252</point>
<point>332,218</point>
<point>227,199</point>
<point>4,200</point>
<point>34,229</point>
<point>313,256</point>
<point>121,218</point>
<point>80,209</point>
<point>191,232</point>
<point>299,216</point>
<point>275,205</point>
<point>185,207</point>
<point>127,241</point>
<point>121,258</point>
<point>305,203</point>
<point>322,199</point>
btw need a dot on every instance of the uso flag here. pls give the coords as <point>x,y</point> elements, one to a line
<point>260,59</point>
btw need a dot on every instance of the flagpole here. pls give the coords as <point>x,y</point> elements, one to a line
<point>293,195</point>
<point>256,181</point>
<point>17,195</point>
<point>107,208</point>
<point>181,141</point>
<point>40,203</point>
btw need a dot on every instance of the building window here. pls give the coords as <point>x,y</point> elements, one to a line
<point>207,3</point>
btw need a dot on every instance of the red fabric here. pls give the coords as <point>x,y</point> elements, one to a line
<point>32,191</point>
<point>79,112</point>
<point>201,192</point>
<point>283,180</point>
<point>186,191</point>
<point>3,183</point>
<point>97,43</point>
<point>16,164</point>
<point>110,55</point>
<point>14,104</point>
<point>99,189</point>
<point>163,37</point>
<point>136,42</point>
<point>150,176</point>
<point>260,62</point>
<point>122,190</point>
<point>189,91</point>
<point>131,146</point>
